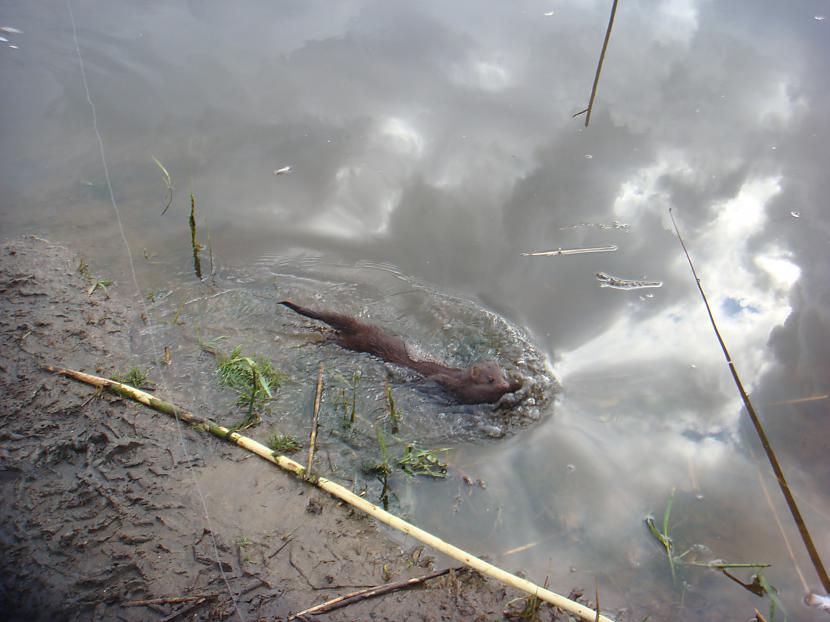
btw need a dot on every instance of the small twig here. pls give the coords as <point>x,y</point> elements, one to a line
<point>355,597</point>
<point>169,600</point>
<point>185,610</point>
<point>313,436</point>
<point>284,544</point>
<point>590,107</point>
<point>759,429</point>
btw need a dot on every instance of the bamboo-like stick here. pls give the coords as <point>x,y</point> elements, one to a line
<point>336,490</point>
<point>312,440</point>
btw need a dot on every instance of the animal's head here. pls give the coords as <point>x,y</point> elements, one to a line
<point>489,382</point>
<point>488,372</point>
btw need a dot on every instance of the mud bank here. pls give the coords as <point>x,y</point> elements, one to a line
<point>104,502</point>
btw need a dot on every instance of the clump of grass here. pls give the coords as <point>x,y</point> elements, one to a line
<point>526,609</point>
<point>346,404</point>
<point>413,461</point>
<point>212,346</point>
<point>101,284</point>
<point>135,377</point>
<point>283,443</point>
<point>154,294</point>
<point>95,284</point>
<point>251,378</point>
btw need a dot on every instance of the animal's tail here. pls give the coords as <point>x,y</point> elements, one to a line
<point>337,321</point>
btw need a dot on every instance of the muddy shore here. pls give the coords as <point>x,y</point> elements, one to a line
<point>104,501</point>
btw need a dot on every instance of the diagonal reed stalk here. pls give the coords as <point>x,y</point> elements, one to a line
<point>336,490</point>
<point>590,108</point>
<point>759,429</point>
<point>312,439</point>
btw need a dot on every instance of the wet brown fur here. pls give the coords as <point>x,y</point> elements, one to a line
<point>482,383</point>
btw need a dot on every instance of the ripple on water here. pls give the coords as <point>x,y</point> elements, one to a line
<point>244,311</point>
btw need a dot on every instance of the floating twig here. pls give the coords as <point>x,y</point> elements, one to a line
<point>312,439</point>
<point>759,429</point>
<point>571,251</point>
<point>336,490</point>
<point>356,597</point>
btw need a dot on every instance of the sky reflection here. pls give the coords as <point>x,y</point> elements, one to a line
<point>439,138</point>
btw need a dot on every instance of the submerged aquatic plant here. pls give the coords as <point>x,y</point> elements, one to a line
<point>168,183</point>
<point>382,469</point>
<point>663,536</point>
<point>346,400</point>
<point>395,415</point>
<point>758,584</point>
<point>422,461</point>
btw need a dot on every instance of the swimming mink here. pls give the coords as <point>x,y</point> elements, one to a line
<point>483,383</point>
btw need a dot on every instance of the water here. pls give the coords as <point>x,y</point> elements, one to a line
<point>421,148</point>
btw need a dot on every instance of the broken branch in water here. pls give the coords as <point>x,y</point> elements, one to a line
<point>336,490</point>
<point>759,429</point>
<point>356,597</point>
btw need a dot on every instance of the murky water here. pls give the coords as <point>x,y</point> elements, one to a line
<point>395,160</point>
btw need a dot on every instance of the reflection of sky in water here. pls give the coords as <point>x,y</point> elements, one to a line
<point>439,138</point>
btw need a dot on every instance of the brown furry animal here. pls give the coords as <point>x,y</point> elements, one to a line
<point>483,383</point>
